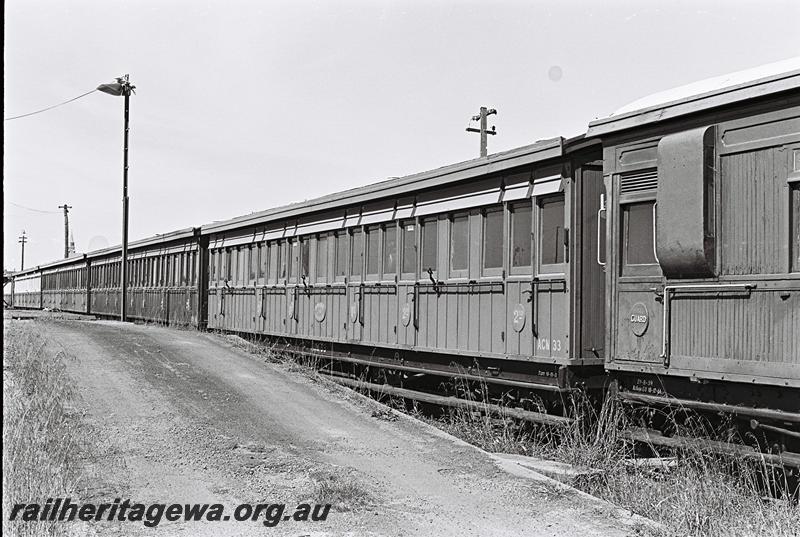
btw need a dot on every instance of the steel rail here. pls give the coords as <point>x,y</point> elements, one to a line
<point>526,415</point>
<point>763,413</point>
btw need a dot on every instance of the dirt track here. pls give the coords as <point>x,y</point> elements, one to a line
<point>181,416</point>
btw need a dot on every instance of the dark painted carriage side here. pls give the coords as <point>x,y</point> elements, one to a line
<point>703,267</point>
<point>488,264</point>
<point>163,279</point>
<point>65,285</point>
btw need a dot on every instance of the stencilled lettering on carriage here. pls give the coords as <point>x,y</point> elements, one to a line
<point>544,344</point>
<point>646,385</point>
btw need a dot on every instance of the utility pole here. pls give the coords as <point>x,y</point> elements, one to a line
<point>22,240</point>
<point>483,129</point>
<point>66,228</point>
<point>123,88</point>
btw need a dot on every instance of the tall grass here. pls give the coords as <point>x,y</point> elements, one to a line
<point>703,495</point>
<point>41,439</point>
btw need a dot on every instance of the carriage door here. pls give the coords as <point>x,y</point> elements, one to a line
<point>588,268</point>
<point>551,267</point>
<point>355,287</point>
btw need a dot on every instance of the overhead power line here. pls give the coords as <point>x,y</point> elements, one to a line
<point>31,209</point>
<point>50,107</point>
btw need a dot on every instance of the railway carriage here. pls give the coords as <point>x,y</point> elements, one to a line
<point>703,264</point>
<point>26,289</point>
<point>661,250</point>
<point>65,285</point>
<point>163,279</point>
<point>486,267</point>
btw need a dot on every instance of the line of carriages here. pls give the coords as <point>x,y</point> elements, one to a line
<point>661,250</point>
<point>162,288</point>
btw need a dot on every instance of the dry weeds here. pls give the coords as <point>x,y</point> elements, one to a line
<point>704,495</point>
<point>41,439</point>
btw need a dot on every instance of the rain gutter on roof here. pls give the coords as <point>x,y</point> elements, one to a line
<point>537,152</point>
<point>157,239</point>
<point>695,103</point>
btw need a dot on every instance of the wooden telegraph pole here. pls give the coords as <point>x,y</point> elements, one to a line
<point>483,128</point>
<point>66,228</point>
<point>22,240</point>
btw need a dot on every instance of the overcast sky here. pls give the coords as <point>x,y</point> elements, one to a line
<point>241,106</point>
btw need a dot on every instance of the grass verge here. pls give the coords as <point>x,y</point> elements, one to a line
<point>41,439</point>
<point>701,495</point>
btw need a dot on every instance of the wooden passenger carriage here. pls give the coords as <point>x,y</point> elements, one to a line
<point>703,267</point>
<point>488,265</point>
<point>163,279</point>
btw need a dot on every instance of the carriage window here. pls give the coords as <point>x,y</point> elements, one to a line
<point>551,230</point>
<point>243,272</point>
<point>293,259</point>
<point>254,263</point>
<point>795,227</point>
<point>493,238</point>
<point>272,268</point>
<point>373,250</point>
<point>357,253</point>
<point>322,258</point>
<point>263,262</point>
<point>390,250</point>
<point>227,273</point>
<point>409,237</point>
<point>637,234</point>
<point>341,256</point>
<point>521,235</point>
<point>305,256</point>
<point>281,259</point>
<point>184,261</point>
<point>430,242</point>
<point>459,245</point>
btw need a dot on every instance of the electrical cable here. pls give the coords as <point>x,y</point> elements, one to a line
<point>31,209</point>
<point>50,107</point>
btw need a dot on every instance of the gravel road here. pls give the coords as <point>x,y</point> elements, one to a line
<point>182,416</point>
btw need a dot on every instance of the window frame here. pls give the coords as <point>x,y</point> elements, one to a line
<point>304,259</point>
<point>794,223</point>
<point>292,260</point>
<point>493,272</point>
<point>394,274</point>
<point>357,235</point>
<point>454,273</point>
<point>401,243</point>
<point>377,229</point>
<point>252,264</point>
<point>512,207</point>
<point>342,248</point>
<point>422,223</point>
<point>634,269</point>
<point>323,241</point>
<point>549,268</point>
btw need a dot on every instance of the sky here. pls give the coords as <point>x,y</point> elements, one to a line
<point>245,105</point>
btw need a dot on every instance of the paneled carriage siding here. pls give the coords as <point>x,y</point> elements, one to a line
<point>753,210</point>
<point>472,314</point>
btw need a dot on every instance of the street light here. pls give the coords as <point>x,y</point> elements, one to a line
<point>123,87</point>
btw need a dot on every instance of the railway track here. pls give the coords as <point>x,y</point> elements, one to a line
<point>528,402</point>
